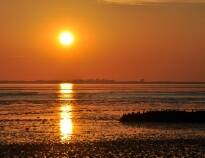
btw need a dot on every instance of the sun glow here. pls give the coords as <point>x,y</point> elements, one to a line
<point>66,38</point>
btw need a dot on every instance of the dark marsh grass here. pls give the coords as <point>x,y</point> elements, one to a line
<point>166,116</point>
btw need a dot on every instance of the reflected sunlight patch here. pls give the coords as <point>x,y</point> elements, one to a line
<point>66,87</point>
<point>66,91</point>
<point>66,125</point>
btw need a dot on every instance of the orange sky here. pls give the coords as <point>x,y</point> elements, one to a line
<point>113,40</point>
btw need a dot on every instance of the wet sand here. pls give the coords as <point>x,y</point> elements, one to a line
<point>116,148</point>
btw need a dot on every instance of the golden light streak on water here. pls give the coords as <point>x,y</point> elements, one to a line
<point>66,123</point>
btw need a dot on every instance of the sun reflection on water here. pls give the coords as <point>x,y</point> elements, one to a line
<point>66,88</point>
<point>66,124</point>
<point>66,91</point>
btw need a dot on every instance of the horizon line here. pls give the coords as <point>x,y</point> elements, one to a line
<point>97,81</point>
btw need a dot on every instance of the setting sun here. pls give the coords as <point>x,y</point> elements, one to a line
<point>66,38</point>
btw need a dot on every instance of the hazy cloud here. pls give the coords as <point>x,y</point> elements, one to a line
<point>153,1</point>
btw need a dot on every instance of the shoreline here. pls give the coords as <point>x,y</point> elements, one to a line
<point>102,82</point>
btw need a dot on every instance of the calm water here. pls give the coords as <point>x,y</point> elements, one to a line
<point>67,113</point>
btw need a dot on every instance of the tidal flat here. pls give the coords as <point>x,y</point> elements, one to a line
<point>115,148</point>
<point>69,120</point>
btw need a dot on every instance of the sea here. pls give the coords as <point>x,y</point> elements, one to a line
<point>66,112</point>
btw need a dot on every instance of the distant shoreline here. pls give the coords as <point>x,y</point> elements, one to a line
<point>98,82</point>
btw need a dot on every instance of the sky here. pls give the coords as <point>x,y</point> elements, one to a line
<point>114,39</point>
<point>154,1</point>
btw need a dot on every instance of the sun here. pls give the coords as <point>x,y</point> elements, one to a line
<point>66,38</point>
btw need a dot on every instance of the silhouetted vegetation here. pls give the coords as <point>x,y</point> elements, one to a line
<point>165,116</point>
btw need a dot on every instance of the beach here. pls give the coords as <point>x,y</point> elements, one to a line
<point>116,148</point>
